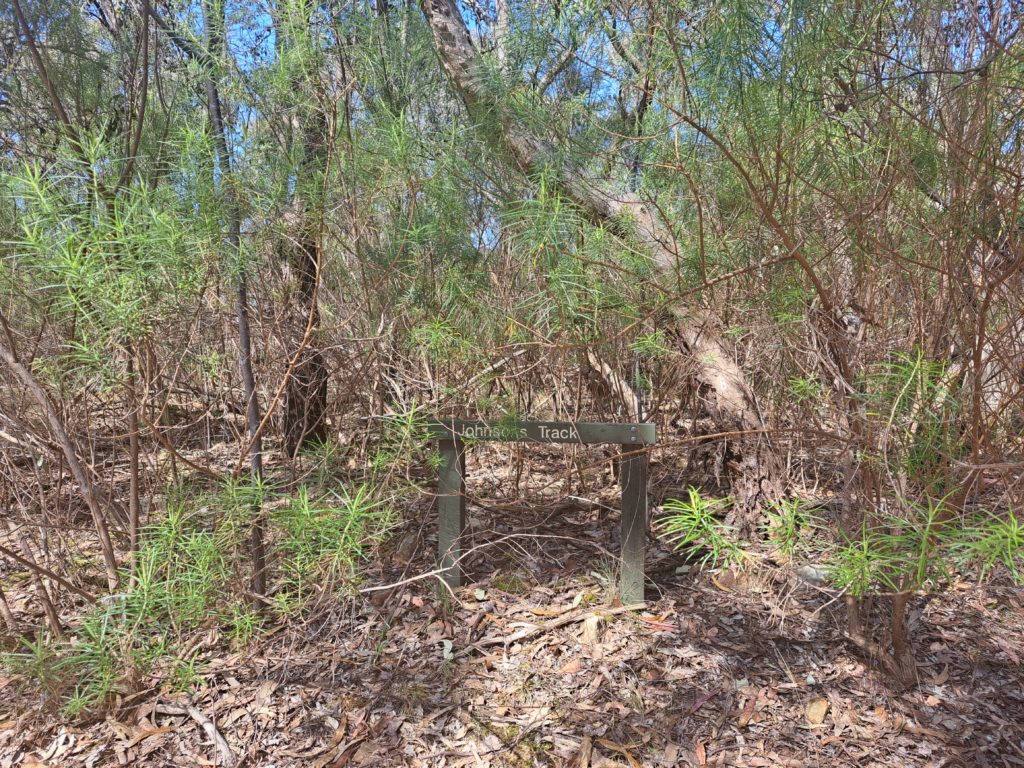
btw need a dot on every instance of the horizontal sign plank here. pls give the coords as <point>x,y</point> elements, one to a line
<point>543,432</point>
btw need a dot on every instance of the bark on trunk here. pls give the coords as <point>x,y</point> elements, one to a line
<point>306,393</point>
<point>502,14</point>
<point>213,12</point>
<point>134,502</point>
<point>753,466</point>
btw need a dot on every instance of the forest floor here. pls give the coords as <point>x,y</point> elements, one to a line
<point>536,663</point>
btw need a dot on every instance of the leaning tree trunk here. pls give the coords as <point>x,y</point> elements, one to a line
<point>752,466</point>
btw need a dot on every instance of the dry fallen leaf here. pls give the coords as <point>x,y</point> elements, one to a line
<point>725,581</point>
<point>911,727</point>
<point>546,611</point>
<point>142,734</point>
<point>658,622</point>
<point>611,745</point>
<point>816,711</point>
<point>702,699</point>
<point>571,667</point>
<point>585,751</point>
<point>748,711</point>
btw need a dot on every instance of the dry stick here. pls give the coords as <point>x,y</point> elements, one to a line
<point>134,407</point>
<point>551,625</point>
<point>618,384</point>
<point>7,437</point>
<point>32,566</point>
<point>5,611</point>
<point>52,619</point>
<point>227,757</point>
<point>782,661</point>
<point>437,572</point>
<point>87,488</point>
<point>169,447</point>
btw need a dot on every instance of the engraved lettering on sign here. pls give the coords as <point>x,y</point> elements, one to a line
<point>582,433</point>
<point>487,432</point>
<point>552,433</point>
<point>456,435</point>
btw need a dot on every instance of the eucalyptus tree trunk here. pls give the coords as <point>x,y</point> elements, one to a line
<point>213,39</point>
<point>306,390</point>
<point>503,13</point>
<point>751,464</point>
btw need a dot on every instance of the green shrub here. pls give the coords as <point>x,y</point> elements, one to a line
<point>788,526</point>
<point>922,547</point>
<point>324,538</point>
<point>696,521</point>
<point>187,579</point>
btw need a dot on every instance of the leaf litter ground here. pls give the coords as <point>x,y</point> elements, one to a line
<point>535,662</point>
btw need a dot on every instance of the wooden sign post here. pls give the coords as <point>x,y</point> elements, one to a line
<point>452,436</point>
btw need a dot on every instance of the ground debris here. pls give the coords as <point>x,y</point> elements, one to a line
<point>512,672</point>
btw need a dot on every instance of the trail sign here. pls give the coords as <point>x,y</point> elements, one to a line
<point>453,435</point>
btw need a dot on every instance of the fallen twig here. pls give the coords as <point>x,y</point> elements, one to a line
<point>548,626</point>
<point>227,757</point>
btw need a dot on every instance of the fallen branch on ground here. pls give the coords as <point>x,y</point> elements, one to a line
<point>549,626</point>
<point>227,757</point>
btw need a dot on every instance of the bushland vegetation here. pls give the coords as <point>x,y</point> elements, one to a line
<point>248,249</point>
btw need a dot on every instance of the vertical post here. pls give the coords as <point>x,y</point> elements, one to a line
<point>451,509</point>
<point>633,479</point>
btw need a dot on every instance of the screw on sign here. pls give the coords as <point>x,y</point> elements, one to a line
<point>452,436</point>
